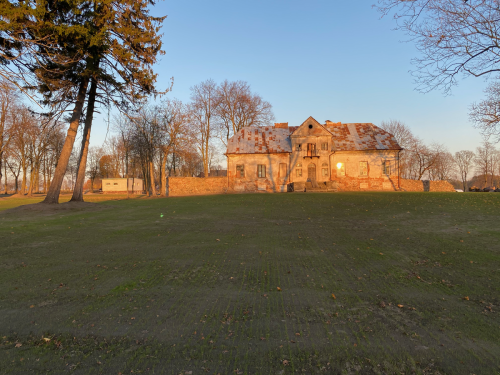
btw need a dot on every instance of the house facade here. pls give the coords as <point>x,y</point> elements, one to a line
<point>313,156</point>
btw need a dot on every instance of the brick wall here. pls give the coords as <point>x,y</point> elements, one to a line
<point>419,185</point>
<point>179,186</point>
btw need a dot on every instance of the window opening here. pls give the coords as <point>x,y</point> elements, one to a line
<point>363,168</point>
<point>240,171</point>
<point>386,167</point>
<point>298,147</point>
<point>283,170</point>
<point>311,149</point>
<point>340,169</point>
<point>261,171</point>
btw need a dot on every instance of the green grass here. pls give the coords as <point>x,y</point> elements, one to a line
<point>118,289</point>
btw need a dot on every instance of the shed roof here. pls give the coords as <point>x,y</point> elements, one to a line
<point>260,140</point>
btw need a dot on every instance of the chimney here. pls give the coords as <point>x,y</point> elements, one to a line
<point>281,125</point>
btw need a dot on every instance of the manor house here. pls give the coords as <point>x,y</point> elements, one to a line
<point>313,156</point>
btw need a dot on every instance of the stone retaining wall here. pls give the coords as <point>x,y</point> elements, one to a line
<point>426,185</point>
<point>179,186</point>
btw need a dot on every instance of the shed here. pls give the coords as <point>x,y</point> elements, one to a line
<point>119,185</point>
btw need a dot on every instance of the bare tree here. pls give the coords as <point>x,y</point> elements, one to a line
<point>454,37</point>
<point>238,107</point>
<point>8,101</point>
<point>421,158</point>
<point>485,115</point>
<point>444,166</point>
<point>174,126</point>
<point>464,161</point>
<point>93,163</point>
<point>203,109</point>
<point>400,131</point>
<point>485,160</point>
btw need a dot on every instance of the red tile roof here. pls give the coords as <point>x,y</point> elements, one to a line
<point>346,137</point>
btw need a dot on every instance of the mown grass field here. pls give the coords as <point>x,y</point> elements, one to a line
<point>244,284</point>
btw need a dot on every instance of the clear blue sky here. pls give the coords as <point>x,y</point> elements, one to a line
<point>333,60</point>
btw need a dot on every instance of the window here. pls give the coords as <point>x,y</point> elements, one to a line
<point>261,171</point>
<point>298,147</point>
<point>386,167</point>
<point>310,126</point>
<point>108,183</point>
<point>311,149</point>
<point>283,170</point>
<point>324,146</point>
<point>298,170</point>
<point>116,183</point>
<point>340,169</point>
<point>363,168</point>
<point>240,171</point>
<point>324,170</point>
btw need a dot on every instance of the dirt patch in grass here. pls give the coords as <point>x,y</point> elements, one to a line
<point>48,209</point>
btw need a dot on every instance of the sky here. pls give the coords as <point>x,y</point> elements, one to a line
<point>333,60</point>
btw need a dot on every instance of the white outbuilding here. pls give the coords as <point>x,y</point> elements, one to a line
<point>119,185</point>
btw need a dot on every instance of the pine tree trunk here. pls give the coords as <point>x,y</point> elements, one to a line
<point>82,162</point>
<point>55,186</point>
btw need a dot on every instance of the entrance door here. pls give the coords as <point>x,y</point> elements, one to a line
<point>311,173</point>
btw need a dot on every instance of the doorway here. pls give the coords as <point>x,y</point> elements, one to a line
<point>311,173</point>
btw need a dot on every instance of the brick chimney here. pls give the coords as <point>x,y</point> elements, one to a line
<point>281,125</point>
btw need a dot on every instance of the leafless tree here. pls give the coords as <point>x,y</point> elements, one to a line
<point>238,107</point>
<point>8,101</point>
<point>400,131</point>
<point>485,115</point>
<point>203,110</point>
<point>93,163</point>
<point>485,161</point>
<point>464,161</point>
<point>454,38</point>
<point>444,166</point>
<point>421,158</point>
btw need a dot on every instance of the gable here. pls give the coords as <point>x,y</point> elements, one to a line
<point>311,127</point>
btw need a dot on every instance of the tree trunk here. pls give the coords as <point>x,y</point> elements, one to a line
<point>55,186</point>
<point>82,162</point>
<point>163,176</point>
<point>152,179</point>
<point>5,176</point>
<point>23,183</point>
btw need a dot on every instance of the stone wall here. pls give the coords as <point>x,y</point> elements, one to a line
<point>181,186</point>
<point>389,183</point>
<point>425,185</point>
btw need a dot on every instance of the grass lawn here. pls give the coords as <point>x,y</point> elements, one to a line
<point>343,283</point>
